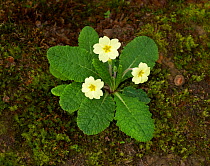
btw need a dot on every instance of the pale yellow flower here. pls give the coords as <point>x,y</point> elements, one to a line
<point>140,73</point>
<point>106,48</point>
<point>92,88</point>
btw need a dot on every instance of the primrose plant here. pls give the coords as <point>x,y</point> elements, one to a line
<point>99,76</point>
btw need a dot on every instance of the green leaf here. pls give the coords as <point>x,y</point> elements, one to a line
<point>141,49</point>
<point>95,115</point>
<point>73,63</point>
<point>103,71</point>
<point>87,38</point>
<point>72,97</point>
<point>133,118</point>
<point>58,90</point>
<point>57,74</point>
<point>138,93</point>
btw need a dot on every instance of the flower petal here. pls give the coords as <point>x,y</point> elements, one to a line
<point>106,48</point>
<point>97,48</point>
<point>89,80</point>
<point>103,57</point>
<point>99,84</point>
<point>97,94</point>
<point>140,77</point>
<point>85,88</point>
<point>89,95</point>
<point>136,80</point>
<point>144,79</point>
<point>147,71</point>
<point>115,43</point>
<point>135,71</point>
<point>90,92</point>
<point>104,40</point>
<point>113,54</point>
<point>143,65</point>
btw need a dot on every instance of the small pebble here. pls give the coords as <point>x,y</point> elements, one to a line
<point>179,80</point>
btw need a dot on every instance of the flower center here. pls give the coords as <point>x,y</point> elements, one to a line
<point>141,72</point>
<point>107,48</point>
<point>92,87</point>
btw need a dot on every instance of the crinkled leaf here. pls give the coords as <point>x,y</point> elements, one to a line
<point>138,93</point>
<point>73,63</point>
<point>140,49</point>
<point>72,97</point>
<point>133,118</point>
<point>95,115</point>
<point>57,74</point>
<point>102,70</point>
<point>87,38</point>
<point>58,90</point>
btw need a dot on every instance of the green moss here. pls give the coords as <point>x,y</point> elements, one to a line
<point>3,128</point>
<point>195,12</point>
<point>8,159</point>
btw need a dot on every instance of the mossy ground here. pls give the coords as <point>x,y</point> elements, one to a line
<point>34,130</point>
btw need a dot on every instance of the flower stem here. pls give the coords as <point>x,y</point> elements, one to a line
<point>115,74</point>
<point>126,71</point>
<point>110,70</point>
<point>110,67</point>
<point>115,71</point>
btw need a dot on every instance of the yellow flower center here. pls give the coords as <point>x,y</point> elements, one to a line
<point>107,48</point>
<point>141,72</point>
<point>92,87</point>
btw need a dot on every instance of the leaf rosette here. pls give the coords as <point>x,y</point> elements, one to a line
<point>96,73</point>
